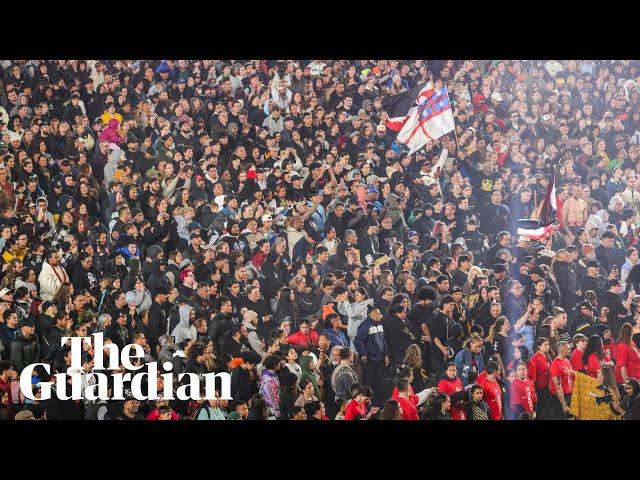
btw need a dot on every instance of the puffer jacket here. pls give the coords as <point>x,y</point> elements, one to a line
<point>357,313</point>
<point>25,351</point>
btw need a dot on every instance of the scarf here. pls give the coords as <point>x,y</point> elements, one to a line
<point>478,412</point>
<point>305,361</point>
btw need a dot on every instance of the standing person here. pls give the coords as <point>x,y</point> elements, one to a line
<point>270,385</point>
<point>541,362</point>
<point>451,384</point>
<point>408,402</point>
<point>492,390</point>
<point>241,384</point>
<point>440,327</point>
<point>594,357</point>
<point>344,376</point>
<point>580,342</point>
<point>469,359</point>
<point>627,356</point>
<point>371,345</point>
<point>522,392</point>
<point>476,408</point>
<point>561,385</point>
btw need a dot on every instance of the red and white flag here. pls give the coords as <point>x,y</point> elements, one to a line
<point>430,119</point>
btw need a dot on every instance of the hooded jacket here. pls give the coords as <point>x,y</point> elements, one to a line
<point>184,331</point>
<point>252,338</point>
<point>157,279</point>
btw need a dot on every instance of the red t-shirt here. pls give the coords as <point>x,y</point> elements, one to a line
<point>576,361</point>
<point>541,364</point>
<point>609,351</point>
<point>450,387</point>
<point>561,368</point>
<point>522,392</point>
<point>593,365</point>
<point>354,409</point>
<point>409,410</point>
<point>493,397</point>
<point>627,357</point>
<point>412,396</point>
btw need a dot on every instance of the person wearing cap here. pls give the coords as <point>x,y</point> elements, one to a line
<point>567,279</point>
<point>25,349</point>
<point>584,321</point>
<point>130,408</point>
<point>593,280</point>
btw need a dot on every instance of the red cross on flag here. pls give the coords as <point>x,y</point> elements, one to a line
<point>430,119</point>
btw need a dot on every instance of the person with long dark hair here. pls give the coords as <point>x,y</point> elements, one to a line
<point>541,362</point>
<point>438,408</point>
<point>627,356</point>
<point>391,411</point>
<point>288,309</point>
<point>594,357</point>
<point>522,394</point>
<point>258,409</point>
<point>451,384</point>
<point>476,408</point>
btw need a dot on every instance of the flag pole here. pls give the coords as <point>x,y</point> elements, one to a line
<point>455,131</point>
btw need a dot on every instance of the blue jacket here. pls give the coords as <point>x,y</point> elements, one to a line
<point>370,340</point>
<point>338,339</point>
<point>465,365</point>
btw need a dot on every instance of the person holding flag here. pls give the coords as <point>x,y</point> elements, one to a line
<point>542,227</point>
<point>428,118</point>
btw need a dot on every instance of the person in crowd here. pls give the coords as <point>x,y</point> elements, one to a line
<point>262,218</point>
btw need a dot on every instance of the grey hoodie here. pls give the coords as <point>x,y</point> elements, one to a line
<point>183,330</point>
<point>253,339</point>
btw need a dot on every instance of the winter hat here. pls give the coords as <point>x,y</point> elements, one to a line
<point>601,329</point>
<point>236,362</point>
<point>153,251</point>
<point>249,316</point>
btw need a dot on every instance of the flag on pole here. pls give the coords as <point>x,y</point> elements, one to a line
<point>537,229</point>
<point>430,119</point>
<point>398,107</point>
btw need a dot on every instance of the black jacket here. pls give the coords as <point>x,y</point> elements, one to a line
<point>398,336</point>
<point>606,257</point>
<point>567,282</point>
<point>157,324</point>
<point>220,328</point>
<point>25,351</point>
<point>240,384</point>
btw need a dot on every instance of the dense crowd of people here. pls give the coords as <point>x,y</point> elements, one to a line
<point>258,218</point>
